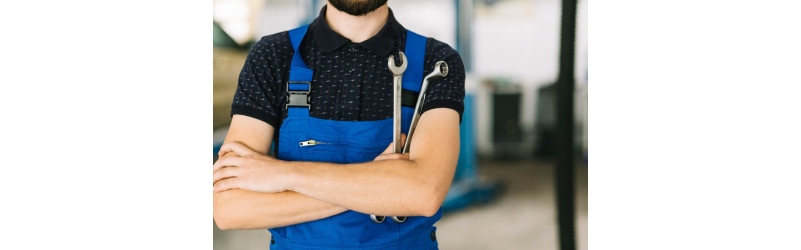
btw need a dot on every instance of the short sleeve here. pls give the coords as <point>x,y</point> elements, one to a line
<point>258,92</point>
<point>447,92</point>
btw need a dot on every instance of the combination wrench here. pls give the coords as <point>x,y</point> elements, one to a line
<point>440,71</point>
<point>397,81</point>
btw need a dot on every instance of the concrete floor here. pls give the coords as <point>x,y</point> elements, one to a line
<point>524,217</point>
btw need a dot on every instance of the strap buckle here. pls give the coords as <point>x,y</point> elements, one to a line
<point>298,98</point>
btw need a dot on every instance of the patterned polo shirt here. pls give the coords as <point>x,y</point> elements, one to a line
<point>351,80</point>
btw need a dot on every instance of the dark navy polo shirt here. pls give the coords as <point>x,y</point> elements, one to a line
<point>351,80</point>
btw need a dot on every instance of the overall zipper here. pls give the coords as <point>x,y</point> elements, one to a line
<point>311,143</point>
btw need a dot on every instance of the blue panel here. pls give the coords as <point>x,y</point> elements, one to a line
<point>466,166</point>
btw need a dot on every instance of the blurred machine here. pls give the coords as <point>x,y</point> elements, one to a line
<point>545,127</point>
<point>507,135</point>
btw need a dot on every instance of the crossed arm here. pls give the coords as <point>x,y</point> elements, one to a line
<point>253,190</point>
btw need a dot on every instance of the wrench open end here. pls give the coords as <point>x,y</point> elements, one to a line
<point>397,70</point>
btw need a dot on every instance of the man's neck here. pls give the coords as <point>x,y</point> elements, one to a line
<point>356,28</point>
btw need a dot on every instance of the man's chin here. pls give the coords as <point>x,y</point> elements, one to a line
<point>357,7</point>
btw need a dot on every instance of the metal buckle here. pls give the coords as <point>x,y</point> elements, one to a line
<point>298,98</point>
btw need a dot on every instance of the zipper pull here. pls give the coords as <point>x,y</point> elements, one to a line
<point>311,143</point>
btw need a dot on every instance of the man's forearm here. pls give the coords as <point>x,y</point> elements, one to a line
<point>242,209</point>
<point>389,187</point>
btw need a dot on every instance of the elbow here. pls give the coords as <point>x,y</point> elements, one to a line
<point>224,217</point>
<point>430,205</point>
<point>223,225</point>
<point>223,221</point>
<point>428,198</point>
<point>228,216</point>
<point>429,211</point>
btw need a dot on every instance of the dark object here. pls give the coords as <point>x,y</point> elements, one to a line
<point>222,39</point>
<point>506,118</point>
<point>565,193</point>
<point>507,136</point>
<point>545,128</point>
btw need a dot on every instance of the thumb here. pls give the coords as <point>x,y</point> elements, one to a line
<point>390,148</point>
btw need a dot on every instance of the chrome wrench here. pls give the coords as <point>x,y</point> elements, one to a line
<point>397,81</point>
<point>440,71</point>
<point>397,78</point>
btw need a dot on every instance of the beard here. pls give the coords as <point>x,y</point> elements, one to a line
<point>357,7</point>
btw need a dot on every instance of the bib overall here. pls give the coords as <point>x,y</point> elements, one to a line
<point>305,138</point>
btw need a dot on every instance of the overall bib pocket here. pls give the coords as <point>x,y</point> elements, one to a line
<point>347,151</point>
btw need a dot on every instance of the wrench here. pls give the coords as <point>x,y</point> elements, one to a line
<point>397,77</point>
<point>440,71</point>
<point>397,81</point>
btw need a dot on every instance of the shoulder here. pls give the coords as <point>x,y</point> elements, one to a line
<point>438,51</point>
<point>278,40</point>
<point>272,47</point>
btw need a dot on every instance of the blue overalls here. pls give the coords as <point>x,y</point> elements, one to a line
<point>305,138</point>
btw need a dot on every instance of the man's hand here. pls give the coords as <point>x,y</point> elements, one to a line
<point>388,153</point>
<point>249,170</point>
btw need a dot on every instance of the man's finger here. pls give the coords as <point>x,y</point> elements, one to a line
<point>403,156</point>
<point>226,173</point>
<point>226,184</point>
<point>390,148</point>
<point>226,148</point>
<point>230,161</point>
<point>391,156</point>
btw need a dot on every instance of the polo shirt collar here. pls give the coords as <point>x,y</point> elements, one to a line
<point>381,44</point>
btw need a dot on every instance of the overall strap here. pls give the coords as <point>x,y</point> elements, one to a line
<point>413,77</point>
<point>415,54</point>
<point>298,101</point>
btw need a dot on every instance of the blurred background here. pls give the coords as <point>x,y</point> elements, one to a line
<point>504,194</point>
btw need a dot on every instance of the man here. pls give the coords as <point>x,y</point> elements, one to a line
<point>330,174</point>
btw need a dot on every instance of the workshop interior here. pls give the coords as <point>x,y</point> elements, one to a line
<point>521,178</point>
